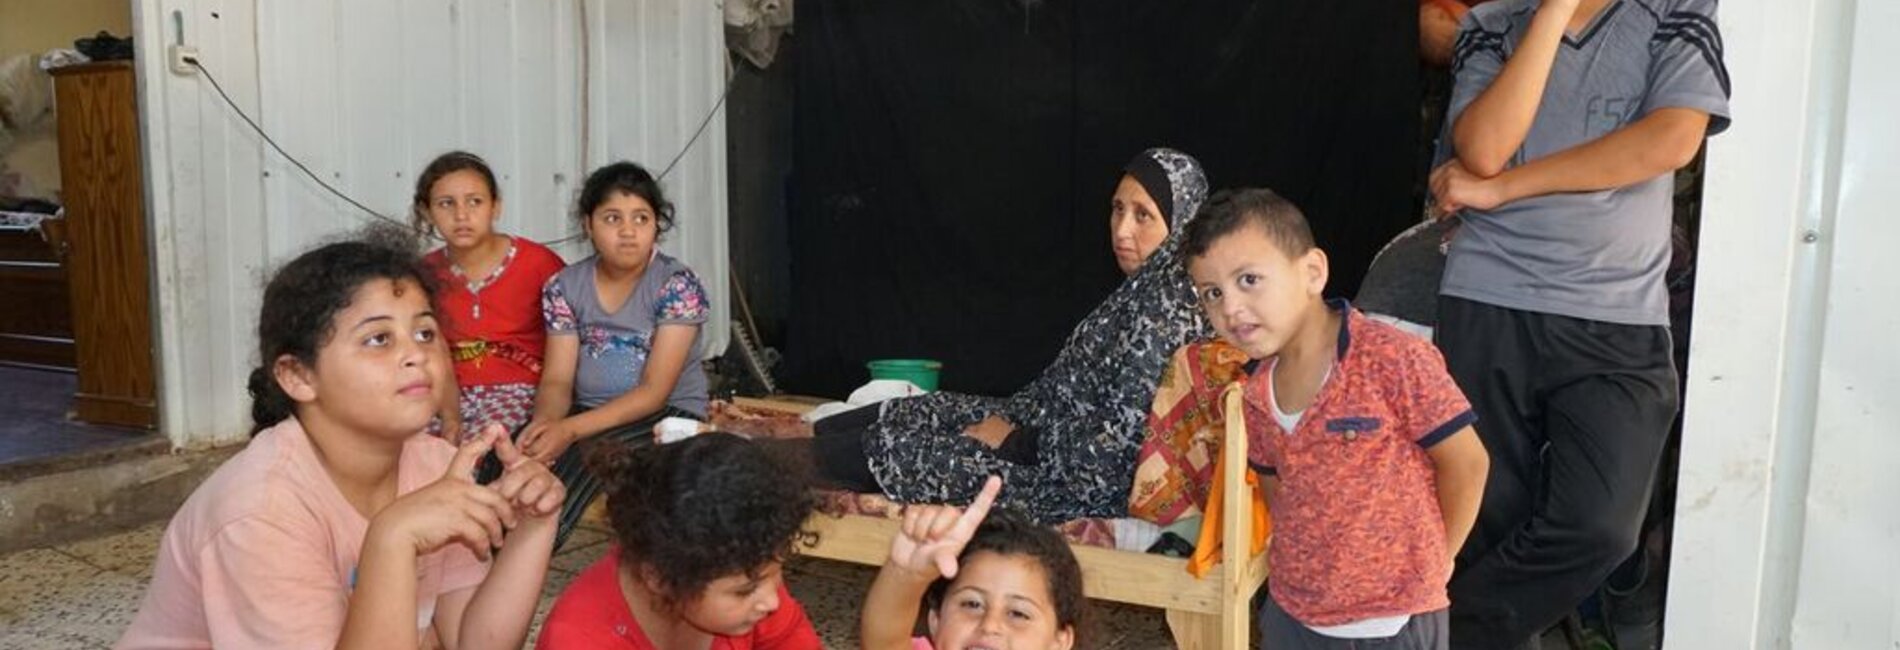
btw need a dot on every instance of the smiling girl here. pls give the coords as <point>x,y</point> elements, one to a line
<point>987,582</point>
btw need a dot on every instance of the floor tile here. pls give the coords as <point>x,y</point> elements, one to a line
<point>831,603</point>
<point>128,554</point>
<point>47,592</point>
<point>25,579</point>
<point>584,536</point>
<point>843,572</point>
<point>1115,625</point>
<point>573,559</point>
<point>46,640</point>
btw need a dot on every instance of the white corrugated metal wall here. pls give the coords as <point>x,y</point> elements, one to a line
<point>1787,527</point>
<point>364,93</point>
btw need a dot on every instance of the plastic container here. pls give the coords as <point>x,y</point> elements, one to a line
<point>922,372</point>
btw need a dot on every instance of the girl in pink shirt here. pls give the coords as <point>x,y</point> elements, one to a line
<point>341,525</point>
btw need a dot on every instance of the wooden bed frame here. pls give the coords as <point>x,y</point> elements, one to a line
<point>1203,614</point>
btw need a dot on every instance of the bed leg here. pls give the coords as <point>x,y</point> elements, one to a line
<point>1194,630</point>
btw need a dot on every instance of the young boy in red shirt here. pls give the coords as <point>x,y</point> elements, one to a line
<point>1371,468</point>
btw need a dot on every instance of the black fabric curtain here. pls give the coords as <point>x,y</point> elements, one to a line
<point>953,159</point>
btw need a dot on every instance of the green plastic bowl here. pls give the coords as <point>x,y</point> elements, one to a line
<point>922,372</point>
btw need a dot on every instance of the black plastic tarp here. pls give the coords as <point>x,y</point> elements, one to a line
<point>954,158</point>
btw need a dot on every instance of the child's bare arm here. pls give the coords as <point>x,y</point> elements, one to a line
<point>1462,465</point>
<point>383,603</point>
<point>1658,143</point>
<point>925,547</point>
<point>672,351</point>
<point>890,609</point>
<point>560,357</point>
<point>555,394</point>
<point>1493,126</point>
<point>497,613</point>
<point>452,510</point>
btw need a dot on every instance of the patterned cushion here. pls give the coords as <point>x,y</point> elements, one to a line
<point>755,422</point>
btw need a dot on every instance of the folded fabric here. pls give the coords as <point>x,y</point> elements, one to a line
<point>26,94</point>
<point>1207,552</point>
<point>62,57</point>
<point>1175,467</point>
<point>754,422</point>
<point>675,429</point>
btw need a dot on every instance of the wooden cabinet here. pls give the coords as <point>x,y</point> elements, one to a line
<point>107,263</point>
<point>36,325</point>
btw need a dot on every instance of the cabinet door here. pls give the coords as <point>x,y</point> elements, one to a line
<point>104,189</point>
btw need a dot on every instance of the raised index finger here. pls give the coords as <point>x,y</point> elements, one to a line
<point>469,454</point>
<point>505,449</point>
<point>979,508</point>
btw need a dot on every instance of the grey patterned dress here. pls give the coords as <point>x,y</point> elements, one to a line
<point>1090,406</point>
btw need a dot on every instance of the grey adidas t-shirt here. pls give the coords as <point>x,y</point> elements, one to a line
<point>615,345</point>
<point>1592,255</point>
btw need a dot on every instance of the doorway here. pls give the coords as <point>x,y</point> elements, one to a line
<point>76,370</point>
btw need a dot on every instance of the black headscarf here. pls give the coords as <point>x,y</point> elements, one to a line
<point>1147,170</point>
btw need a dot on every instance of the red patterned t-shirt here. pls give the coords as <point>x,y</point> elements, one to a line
<point>493,324</point>
<point>1357,532</point>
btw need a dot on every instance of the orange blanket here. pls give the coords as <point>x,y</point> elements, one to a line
<point>1178,468</point>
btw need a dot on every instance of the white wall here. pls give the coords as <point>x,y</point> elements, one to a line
<point>1788,532</point>
<point>365,92</point>
<point>1849,589</point>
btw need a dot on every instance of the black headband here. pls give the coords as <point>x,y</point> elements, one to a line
<point>1153,178</point>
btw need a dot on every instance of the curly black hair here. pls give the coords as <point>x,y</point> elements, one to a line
<point>1007,532</point>
<point>302,300</point>
<point>626,178</point>
<point>710,506</point>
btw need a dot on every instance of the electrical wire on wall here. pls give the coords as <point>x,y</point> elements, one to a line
<point>748,329</point>
<point>586,117</point>
<point>280,149</point>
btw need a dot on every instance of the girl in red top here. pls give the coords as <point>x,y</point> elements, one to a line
<point>489,303</point>
<point>700,529</point>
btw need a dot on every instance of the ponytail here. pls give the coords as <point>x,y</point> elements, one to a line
<point>269,404</point>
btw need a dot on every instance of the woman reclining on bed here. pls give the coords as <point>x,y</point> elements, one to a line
<point>1065,444</point>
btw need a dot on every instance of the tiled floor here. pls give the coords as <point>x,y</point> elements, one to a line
<point>33,423</point>
<point>82,595</point>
